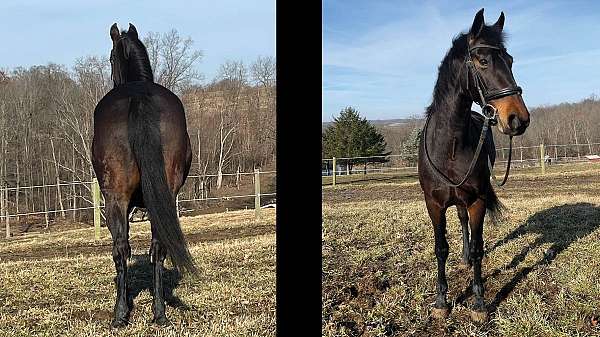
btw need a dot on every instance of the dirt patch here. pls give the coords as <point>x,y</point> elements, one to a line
<point>345,309</point>
<point>359,193</point>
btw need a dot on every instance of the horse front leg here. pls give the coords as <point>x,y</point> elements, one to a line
<point>119,230</point>
<point>438,219</point>
<point>476,211</point>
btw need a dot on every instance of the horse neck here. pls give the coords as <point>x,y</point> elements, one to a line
<point>455,117</point>
<point>136,73</point>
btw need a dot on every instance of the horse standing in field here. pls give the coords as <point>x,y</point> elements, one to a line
<point>456,150</point>
<point>141,154</point>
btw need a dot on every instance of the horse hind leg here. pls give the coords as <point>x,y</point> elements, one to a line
<point>118,224</point>
<point>463,216</point>
<point>157,258</point>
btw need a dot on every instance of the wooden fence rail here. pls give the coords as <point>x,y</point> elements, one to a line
<point>96,201</point>
<point>542,155</point>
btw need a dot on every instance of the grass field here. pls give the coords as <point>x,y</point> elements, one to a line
<point>541,268</point>
<point>62,283</point>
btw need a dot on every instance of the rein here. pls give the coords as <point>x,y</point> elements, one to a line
<point>491,167</point>
<point>489,114</point>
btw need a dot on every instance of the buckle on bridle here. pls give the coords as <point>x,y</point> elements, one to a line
<point>491,113</point>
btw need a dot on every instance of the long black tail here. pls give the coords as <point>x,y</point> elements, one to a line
<point>144,139</point>
<point>493,205</point>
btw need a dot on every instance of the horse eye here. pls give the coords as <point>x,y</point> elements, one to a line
<point>483,62</point>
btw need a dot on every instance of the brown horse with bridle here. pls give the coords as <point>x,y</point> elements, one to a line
<point>456,152</point>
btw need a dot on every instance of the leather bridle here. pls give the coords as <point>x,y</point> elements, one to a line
<point>113,58</point>
<point>488,112</point>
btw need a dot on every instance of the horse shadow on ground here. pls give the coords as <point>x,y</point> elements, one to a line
<point>560,226</point>
<point>140,276</point>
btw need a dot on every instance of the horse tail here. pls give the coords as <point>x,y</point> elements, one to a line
<point>493,205</point>
<point>144,138</point>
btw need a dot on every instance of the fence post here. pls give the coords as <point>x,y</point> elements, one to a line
<point>177,204</point>
<point>257,193</point>
<point>2,201</point>
<point>333,176</point>
<point>6,212</point>
<point>542,160</point>
<point>96,200</point>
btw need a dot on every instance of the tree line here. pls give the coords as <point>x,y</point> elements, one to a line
<point>46,118</point>
<point>566,123</point>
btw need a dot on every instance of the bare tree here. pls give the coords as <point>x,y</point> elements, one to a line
<point>173,60</point>
<point>263,71</point>
<point>46,116</point>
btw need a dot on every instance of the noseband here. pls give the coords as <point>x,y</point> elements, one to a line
<point>489,112</point>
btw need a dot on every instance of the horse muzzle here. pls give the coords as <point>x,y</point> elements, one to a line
<point>514,126</point>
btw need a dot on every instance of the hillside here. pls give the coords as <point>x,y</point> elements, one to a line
<point>383,122</point>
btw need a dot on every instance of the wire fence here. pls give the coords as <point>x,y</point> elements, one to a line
<point>522,156</point>
<point>81,201</point>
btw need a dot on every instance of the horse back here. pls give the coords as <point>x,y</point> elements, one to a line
<point>112,155</point>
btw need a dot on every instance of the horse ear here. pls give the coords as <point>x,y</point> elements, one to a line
<point>132,31</point>
<point>500,23</point>
<point>477,25</point>
<point>114,32</point>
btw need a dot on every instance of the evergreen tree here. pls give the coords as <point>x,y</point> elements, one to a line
<point>410,148</point>
<point>353,136</point>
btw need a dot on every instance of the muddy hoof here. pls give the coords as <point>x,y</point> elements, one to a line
<point>440,313</point>
<point>479,316</point>
<point>161,321</point>
<point>119,323</point>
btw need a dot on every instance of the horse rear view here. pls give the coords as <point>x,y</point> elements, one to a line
<point>141,154</point>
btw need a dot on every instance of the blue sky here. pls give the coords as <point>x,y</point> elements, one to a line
<point>381,57</point>
<point>35,32</point>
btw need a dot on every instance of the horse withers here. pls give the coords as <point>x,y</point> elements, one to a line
<point>456,151</point>
<point>141,155</point>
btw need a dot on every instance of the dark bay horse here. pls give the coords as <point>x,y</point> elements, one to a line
<point>456,150</point>
<point>141,154</point>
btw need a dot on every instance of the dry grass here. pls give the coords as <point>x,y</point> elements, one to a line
<point>541,269</point>
<point>70,291</point>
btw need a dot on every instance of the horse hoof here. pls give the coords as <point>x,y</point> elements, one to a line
<point>119,323</point>
<point>161,321</point>
<point>440,313</point>
<point>479,316</point>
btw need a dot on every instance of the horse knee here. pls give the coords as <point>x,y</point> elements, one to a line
<point>121,250</point>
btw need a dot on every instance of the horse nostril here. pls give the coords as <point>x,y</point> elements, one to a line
<point>513,121</point>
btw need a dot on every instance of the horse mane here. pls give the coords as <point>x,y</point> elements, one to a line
<point>451,64</point>
<point>139,62</point>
